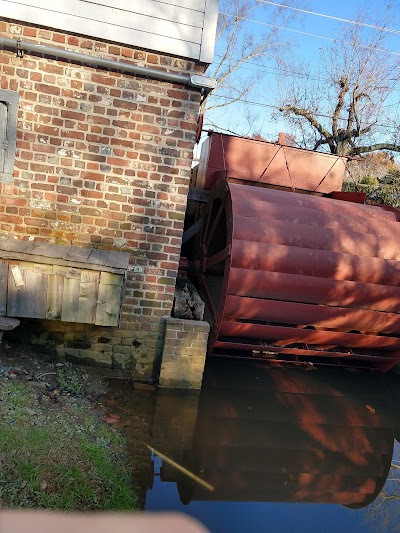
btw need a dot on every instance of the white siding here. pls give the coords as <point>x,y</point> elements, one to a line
<point>180,27</point>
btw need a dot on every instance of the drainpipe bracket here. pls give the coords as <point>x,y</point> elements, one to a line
<point>19,49</point>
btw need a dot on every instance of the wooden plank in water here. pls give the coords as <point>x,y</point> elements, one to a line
<point>88,296</point>
<point>55,288</point>
<point>98,257</point>
<point>71,289</point>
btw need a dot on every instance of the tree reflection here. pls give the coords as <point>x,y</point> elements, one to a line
<point>385,510</point>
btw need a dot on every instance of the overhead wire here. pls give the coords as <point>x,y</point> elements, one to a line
<point>324,37</point>
<point>282,72</point>
<point>270,106</point>
<point>304,75</point>
<point>332,17</point>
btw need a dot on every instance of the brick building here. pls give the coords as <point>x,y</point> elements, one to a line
<point>103,154</point>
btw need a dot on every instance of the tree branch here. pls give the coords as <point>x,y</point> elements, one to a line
<point>374,147</point>
<point>300,112</point>
<point>344,88</point>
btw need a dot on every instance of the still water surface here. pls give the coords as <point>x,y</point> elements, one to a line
<point>284,450</point>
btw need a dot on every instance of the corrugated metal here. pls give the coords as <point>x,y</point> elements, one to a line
<point>315,276</point>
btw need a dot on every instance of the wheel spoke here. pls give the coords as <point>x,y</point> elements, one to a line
<point>218,257</point>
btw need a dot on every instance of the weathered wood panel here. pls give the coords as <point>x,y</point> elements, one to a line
<point>108,303</point>
<point>70,302</point>
<point>29,299</point>
<point>55,289</point>
<point>35,294</point>
<point>88,294</point>
<point>57,254</point>
<point>179,27</point>
<point>57,292</point>
<point>3,287</point>
<point>98,257</point>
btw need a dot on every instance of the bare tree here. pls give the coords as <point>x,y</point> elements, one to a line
<point>344,108</point>
<point>240,42</point>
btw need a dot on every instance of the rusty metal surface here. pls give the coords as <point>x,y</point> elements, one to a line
<point>265,162</point>
<point>310,275</point>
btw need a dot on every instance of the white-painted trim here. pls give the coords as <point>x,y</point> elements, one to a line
<point>178,27</point>
<point>196,5</point>
<point>209,31</point>
<point>76,11</point>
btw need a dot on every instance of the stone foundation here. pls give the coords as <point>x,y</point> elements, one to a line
<point>184,353</point>
<point>129,351</point>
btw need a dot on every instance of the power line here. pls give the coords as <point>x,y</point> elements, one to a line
<point>270,106</point>
<point>324,15</point>
<point>273,70</point>
<point>323,37</point>
<point>270,69</point>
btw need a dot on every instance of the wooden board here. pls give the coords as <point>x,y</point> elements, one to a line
<point>63,293</point>
<point>35,304</point>
<point>88,295</point>
<point>118,259</point>
<point>7,324</point>
<point>98,257</point>
<point>16,245</point>
<point>55,290</point>
<point>78,254</point>
<point>3,287</point>
<point>57,254</point>
<point>109,300</point>
<point>71,291</point>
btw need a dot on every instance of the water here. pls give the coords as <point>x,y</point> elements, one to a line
<point>282,448</point>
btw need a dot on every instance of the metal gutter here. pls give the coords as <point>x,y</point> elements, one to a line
<point>197,81</point>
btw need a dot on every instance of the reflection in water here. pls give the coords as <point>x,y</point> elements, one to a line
<point>262,434</point>
<point>291,436</point>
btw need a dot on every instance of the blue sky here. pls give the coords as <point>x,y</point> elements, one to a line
<point>306,48</point>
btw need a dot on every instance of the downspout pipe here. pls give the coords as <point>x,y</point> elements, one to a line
<point>199,82</point>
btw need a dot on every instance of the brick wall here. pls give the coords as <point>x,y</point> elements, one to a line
<point>184,353</point>
<point>103,160</point>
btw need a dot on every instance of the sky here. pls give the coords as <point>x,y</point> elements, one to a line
<point>309,35</point>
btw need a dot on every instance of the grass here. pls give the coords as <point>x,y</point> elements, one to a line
<point>59,455</point>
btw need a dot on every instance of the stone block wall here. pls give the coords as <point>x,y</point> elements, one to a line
<point>103,160</point>
<point>184,353</point>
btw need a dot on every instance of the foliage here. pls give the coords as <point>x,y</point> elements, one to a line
<point>384,190</point>
<point>58,456</point>
<point>343,109</point>
<point>71,379</point>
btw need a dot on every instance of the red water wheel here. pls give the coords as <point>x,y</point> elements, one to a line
<point>300,278</point>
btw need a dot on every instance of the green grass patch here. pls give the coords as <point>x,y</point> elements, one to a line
<point>59,455</point>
